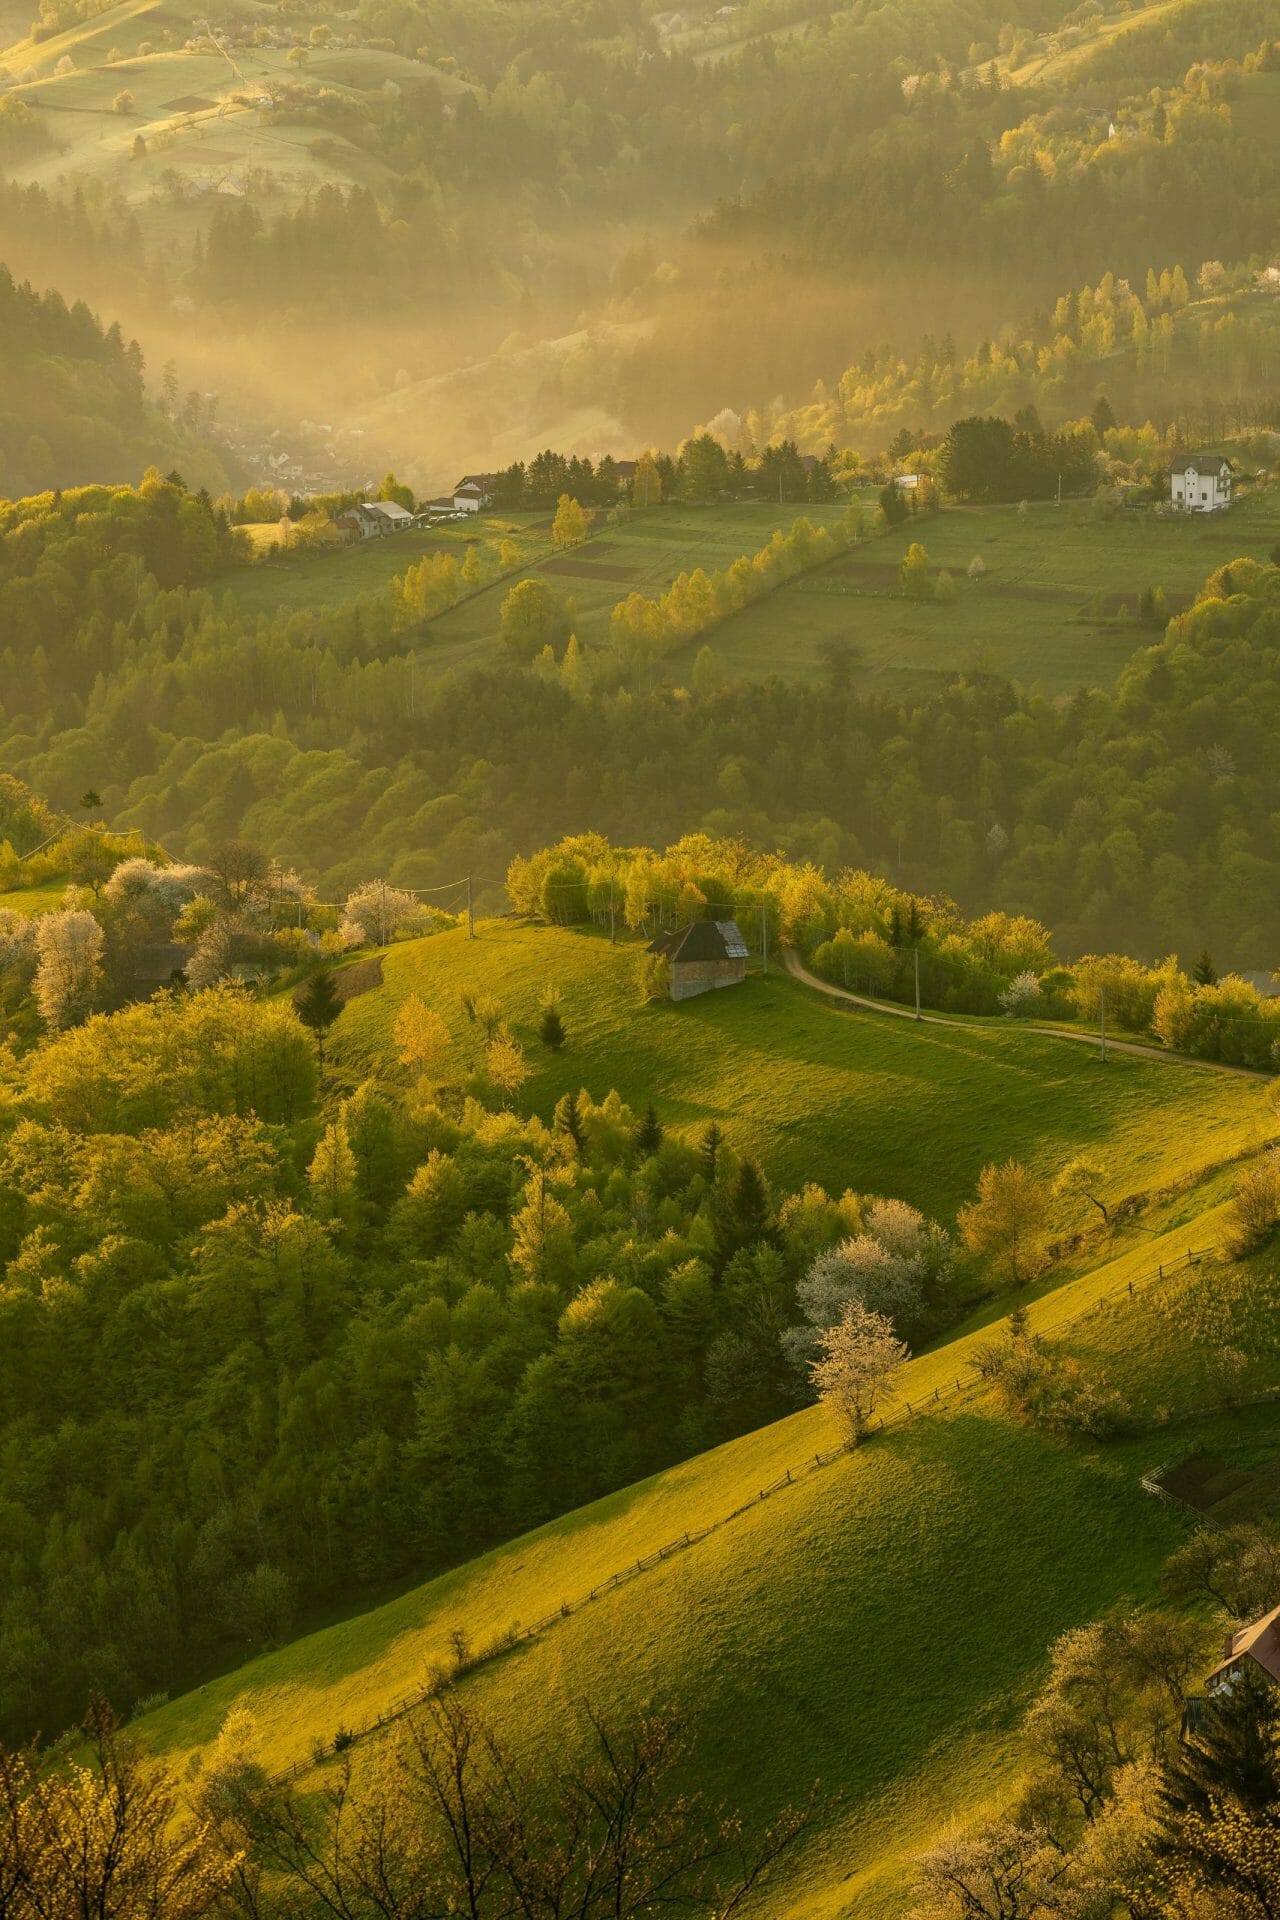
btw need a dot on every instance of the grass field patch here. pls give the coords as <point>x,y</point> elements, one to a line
<point>815,1091</point>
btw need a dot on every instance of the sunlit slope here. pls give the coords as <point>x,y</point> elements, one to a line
<point>816,1092</point>
<point>877,1625</point>
<point>202,109</point>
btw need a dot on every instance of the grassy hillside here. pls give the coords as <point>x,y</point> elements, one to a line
<point>33,900</point>
<point>643,555</point>
<point>203,111</point>
<point>817,1092</point>
<point>827,1632</point>
<point>1027,617</point>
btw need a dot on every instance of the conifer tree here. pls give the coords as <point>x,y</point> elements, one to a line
<point>318,1006</point>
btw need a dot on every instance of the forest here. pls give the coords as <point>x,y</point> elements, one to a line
<point>73,402</point>
<point>338,1344</point>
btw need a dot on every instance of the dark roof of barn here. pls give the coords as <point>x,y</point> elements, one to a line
<point>702,940</point>
<point>161,962</point>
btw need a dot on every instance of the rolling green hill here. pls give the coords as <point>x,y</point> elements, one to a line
<point>878,1624</point>
<point>1056,607</point>
<point>818,1093</point>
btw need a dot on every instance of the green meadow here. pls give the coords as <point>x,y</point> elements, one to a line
<point>829,1634</point>
<point>33,900</point>
<point>1028,617</point>
<point>816,1091</point>
<point>1055,607</point>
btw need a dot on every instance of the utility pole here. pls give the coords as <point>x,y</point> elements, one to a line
<point>471,925</point>
<point>1102,1022</point>
<point>916,957</point>
<point>613,932</point>
<point>382,917</point>
<point>1059,500</point>
<point>764,933</point>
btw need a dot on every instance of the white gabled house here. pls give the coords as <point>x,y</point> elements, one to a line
<point>473,493</point>
<point>370,518</point>
<point>1201,483</point>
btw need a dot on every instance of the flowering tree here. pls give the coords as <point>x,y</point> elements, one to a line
<point>886,1269</point>
<point>376,912</point>
<point>860,1359</point>
<point>69,965</point>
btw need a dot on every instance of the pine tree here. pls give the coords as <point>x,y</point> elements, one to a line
<point>551,1029</point>
<point>568,1119</point>
<point>318,1005</point>
<point>1204,973</point>
<point>746,1218</point>
<point>709,1151</point>
<point>648,1135</point>
<point>1233,1755</point>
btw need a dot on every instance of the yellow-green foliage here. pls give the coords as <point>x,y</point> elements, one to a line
<point>695,601</point>
<point>151,1065</point>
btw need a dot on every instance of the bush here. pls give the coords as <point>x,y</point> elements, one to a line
<point>1022,996</point>
<point>653,977</point>
<point>1255,1206</point>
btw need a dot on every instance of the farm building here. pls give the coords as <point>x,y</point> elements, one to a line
<point>370,518</point>
<point>1255,1650</point>
<point>704,955</point>
<point>1201,483</point>
<point>472,493</point>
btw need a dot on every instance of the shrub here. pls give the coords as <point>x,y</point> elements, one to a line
<point>1022,996</point>
<point>653,977</point>
<point>1254,1211</point>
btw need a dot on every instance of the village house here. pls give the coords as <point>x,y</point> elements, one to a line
<point>1201,483</point>
<point>369,519</point>
<point>473,493</point>
<point>704,955</point>
<point>1254,1650</point>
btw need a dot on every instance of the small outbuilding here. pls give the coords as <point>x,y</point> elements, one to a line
<point>703,955</point>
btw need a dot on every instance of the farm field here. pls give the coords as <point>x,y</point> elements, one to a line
<point>643,554</point>
<point>336,576</point>
<point>816,1092</point>
<point>773,1633</point>
<point>204,111</point>
<point>1024,618</point>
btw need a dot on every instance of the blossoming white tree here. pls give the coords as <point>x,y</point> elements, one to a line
<point>859,1361</point>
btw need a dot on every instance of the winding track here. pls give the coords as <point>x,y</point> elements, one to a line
<point>796,967</point>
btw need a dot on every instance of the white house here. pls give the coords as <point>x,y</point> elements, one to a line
<point>369,518</point>
<point>472,493</point>
<point>1201,483</point>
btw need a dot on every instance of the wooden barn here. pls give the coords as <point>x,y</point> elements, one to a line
<point>704,955</point>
